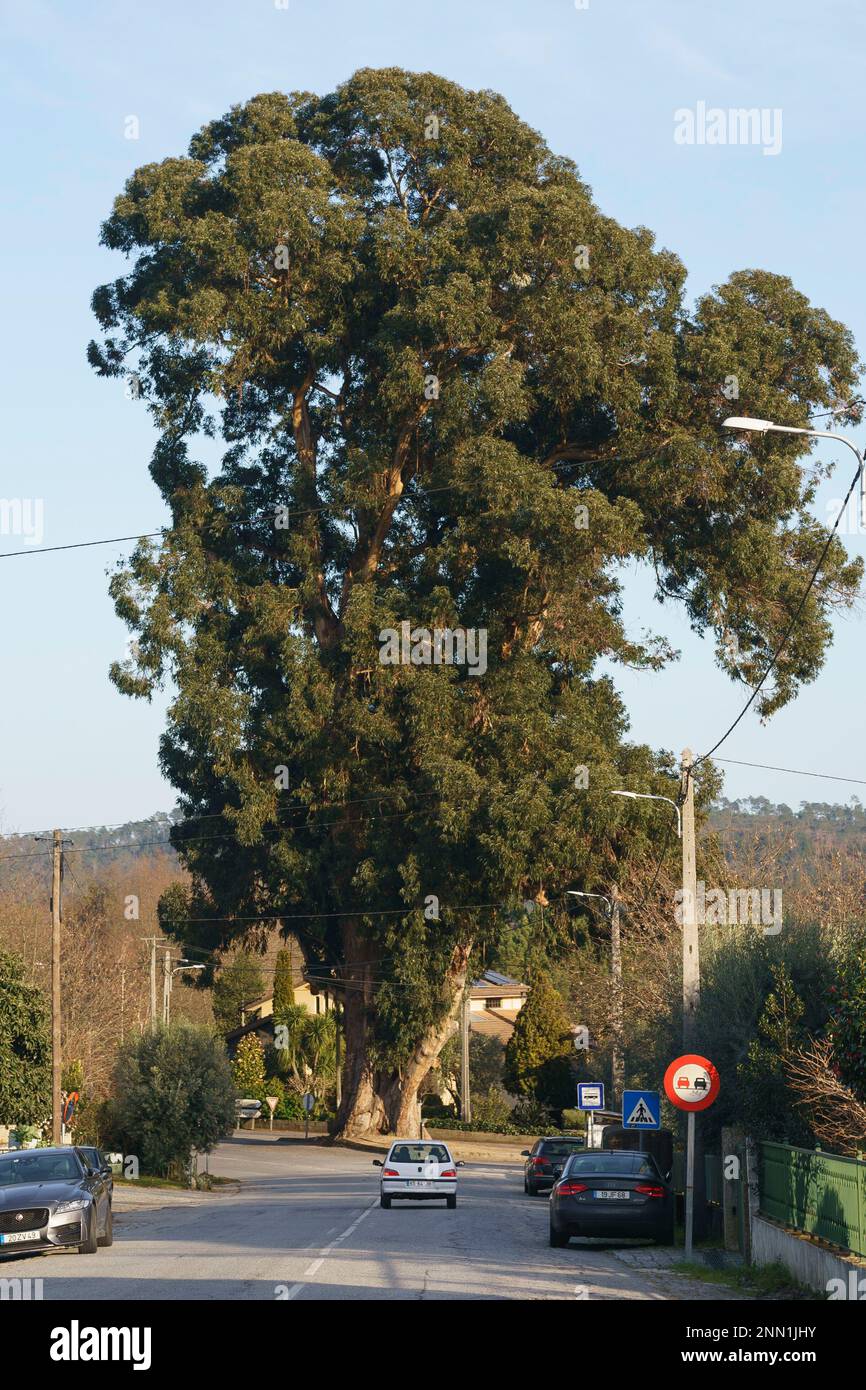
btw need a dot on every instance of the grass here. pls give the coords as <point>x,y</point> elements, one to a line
<point>147,1180</point>
<point>764,1281</point>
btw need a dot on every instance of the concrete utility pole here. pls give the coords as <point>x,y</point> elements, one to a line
<point>153,942</point>
<point>691,947</point>
<point>465,1098</point>
<point>56,1057</point>
<point>166,987</point>
<point>616,999</point>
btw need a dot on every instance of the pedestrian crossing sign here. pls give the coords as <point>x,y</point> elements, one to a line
<point>641,1110</point>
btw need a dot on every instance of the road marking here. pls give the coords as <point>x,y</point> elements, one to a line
<point>323,1254</point>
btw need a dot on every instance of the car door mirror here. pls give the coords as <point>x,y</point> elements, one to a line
<point>377,1163</point>
<point>524,1153</point>
<point>460,1163</point>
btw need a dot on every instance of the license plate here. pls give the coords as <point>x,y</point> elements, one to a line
<point>413,1182</point>
<point>18,1236</point>
<point>609,1195</point>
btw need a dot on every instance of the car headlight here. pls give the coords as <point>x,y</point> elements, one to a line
<point>79,1204</point>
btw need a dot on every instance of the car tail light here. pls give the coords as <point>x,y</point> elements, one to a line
<point>390,1173</point>
<point>571,1189</point>
<point>650,1189</point>
<point>539,1162</point>
<point>448,1173</point>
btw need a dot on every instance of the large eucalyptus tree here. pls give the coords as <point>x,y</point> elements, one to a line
<point>447,391</point>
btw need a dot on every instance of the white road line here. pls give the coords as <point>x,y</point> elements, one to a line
<point>323,1254</point>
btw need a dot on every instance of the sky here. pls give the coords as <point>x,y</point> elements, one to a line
<point>602,82</point>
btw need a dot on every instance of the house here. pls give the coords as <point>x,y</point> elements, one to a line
<point>494,1003</point>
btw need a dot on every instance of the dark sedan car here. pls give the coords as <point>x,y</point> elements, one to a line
<point>605,1192</point>
<point>98,1162</point>
<point>546,1160</point>
<point>51,1198</point>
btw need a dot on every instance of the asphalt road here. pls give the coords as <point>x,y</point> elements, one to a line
<point>306,1224</point>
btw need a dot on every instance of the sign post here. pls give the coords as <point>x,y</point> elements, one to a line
<point>309,1102</point>
<point>691,1083</point>
<point>273,1101</point>
<point>590,1096</point>
<point>641,1110</point>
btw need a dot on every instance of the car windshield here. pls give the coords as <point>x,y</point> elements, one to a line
<point>559,1148</point>
<point>622,1163</point>
<point>37,1167</point>
<point>419,1153</point>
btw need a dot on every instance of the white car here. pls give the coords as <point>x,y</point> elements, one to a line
<point>418,1170</point>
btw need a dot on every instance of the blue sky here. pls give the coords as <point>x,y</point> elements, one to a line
<point>602,85</point>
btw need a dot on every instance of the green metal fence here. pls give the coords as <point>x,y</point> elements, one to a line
<point>820,1194</point>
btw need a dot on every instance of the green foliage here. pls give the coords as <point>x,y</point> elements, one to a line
<point>25,1048</point>
<point>765,1102</point>
<point>284,989</point>
<point>248,1068</point>
<point>307,1060</point>
<point>298,283</point>
<point>847,1028</point>
<point>239,984</point>
<point>173,1092</point>
<point>491,1109</point>
<point>537,1059</point>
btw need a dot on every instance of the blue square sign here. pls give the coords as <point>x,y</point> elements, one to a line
<point>641,1110</point>
<point>590,1095</point>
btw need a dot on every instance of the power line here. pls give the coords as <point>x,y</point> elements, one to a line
<point>77,545</point>
<point>796,771</point>
<point>291,512</point>
<point>789,629</point>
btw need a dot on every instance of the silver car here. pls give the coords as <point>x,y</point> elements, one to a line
<point>52,1199</point>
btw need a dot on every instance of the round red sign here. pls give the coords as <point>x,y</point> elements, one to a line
<point>692,1082</point>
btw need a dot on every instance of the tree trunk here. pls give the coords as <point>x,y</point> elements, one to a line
<point>386,1102</point>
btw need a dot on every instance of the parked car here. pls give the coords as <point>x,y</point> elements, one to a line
<point>605,1192</point>
<point>418,1170</point>
<point>51,1198</point>
<point>98,1161</point>
<point>546,1160</point>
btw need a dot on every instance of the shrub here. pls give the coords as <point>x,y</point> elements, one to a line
<point>174,1092</point>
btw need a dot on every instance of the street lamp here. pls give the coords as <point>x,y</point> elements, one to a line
<point>650,796</point>
<point>746,422</point>
<point>572,893</point>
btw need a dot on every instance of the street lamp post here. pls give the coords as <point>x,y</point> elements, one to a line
<point>747,422</point>
<point>650,796</point>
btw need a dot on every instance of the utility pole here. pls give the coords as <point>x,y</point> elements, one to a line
<point>56,1059</point>
<point>691,947</point>
<point>57,843</point>
<point>153,941</point>
<point>465,1098</point>
<point>695,1205</point>
<point>616,999</point>
<point>337,1058</point>
<point>166,986</point>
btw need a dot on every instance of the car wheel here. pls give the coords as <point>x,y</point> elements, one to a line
<point>90,1244</point>
<point>108,1237</point>
<point>385,1202</point>
<point>532,1189</point>
<point>558,1239</point>
<point>451,1201</point>
<point>525,1185</point>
